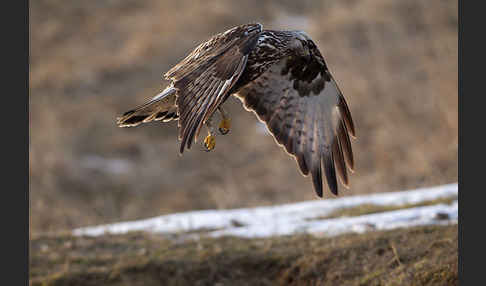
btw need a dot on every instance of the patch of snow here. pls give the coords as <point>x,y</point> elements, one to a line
<point>300,217</point>
<point>329,227</point>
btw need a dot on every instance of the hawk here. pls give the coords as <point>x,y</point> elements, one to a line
<point>280,76</point>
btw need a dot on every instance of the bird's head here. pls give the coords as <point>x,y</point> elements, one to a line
<point>302,43</point>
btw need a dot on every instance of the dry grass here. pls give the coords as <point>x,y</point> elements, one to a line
<point>418,256</point>
<point>396,62</point>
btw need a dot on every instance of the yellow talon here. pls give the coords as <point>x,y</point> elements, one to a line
<point>209,142</point>
<point>224,126</point>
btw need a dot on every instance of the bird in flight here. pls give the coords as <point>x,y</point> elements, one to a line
<point>280,76</point>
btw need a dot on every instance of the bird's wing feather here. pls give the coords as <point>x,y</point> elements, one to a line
<point>305,111</point>
<point>205,76</point>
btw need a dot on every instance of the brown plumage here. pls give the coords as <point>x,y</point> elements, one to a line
<point>279,75</point>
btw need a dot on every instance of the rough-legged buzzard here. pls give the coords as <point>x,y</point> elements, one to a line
<point>279,75</point>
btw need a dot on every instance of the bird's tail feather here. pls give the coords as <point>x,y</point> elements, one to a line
<point>160,107</point>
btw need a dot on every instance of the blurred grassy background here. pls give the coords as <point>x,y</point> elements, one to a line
<point>395,61</point>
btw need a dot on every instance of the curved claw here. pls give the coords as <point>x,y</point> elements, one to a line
<point>223,131</point>
<point>209,142</point>
<point>224,126</point>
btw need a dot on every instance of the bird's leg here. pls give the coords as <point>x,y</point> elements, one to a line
<point>225,124</point>
<point>210,140</point>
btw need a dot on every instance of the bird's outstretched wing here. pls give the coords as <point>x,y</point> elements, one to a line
<point>205,76</point>
<point>307,114</point>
